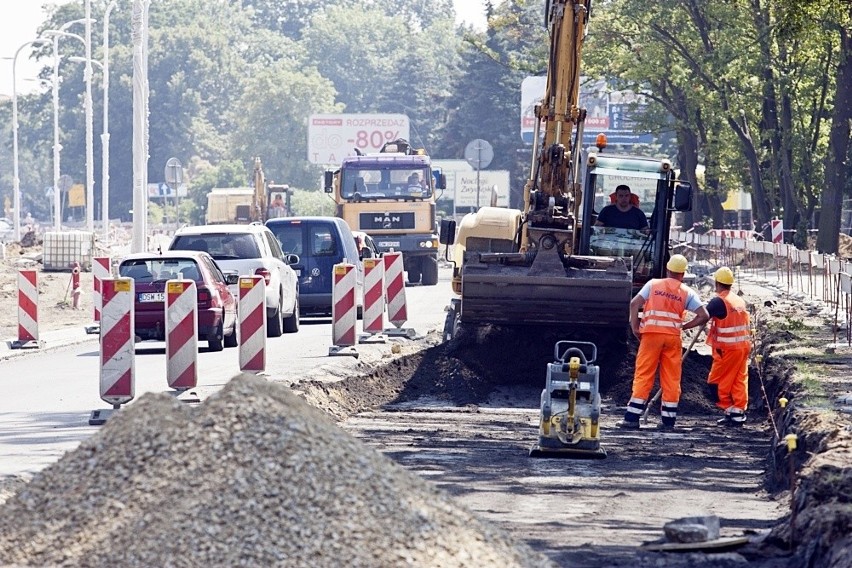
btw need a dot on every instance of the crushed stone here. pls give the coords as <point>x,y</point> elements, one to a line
<point>253,477</point>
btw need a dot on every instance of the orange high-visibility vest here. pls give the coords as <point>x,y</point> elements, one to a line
<point>734,330</point>
<point>663,310</point>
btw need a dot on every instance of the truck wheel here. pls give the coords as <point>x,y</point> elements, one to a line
<point>414,275</point>
<point>430,271</point>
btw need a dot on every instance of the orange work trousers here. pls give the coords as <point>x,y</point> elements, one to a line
<point>730,373</point>
<point>663,350</point>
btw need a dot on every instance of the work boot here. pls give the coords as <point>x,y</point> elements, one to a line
<point>628,424</point>
<point>724,421</point>
<point>666,427</point>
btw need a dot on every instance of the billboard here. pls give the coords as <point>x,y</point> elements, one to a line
<point>461,184</point>
<point>608,111</point>
<point>332,137</point>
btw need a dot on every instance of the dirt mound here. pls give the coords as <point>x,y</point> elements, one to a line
<point>254,477</point>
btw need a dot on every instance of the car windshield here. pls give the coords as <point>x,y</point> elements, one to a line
<point>221,246</point>
<point>160,269</point>
<point>409,182</point>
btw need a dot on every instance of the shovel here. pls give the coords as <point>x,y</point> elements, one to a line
<point>659,393</point>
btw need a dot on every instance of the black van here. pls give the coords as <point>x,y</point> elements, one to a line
<point>320,243</point>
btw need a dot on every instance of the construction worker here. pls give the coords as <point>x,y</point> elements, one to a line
<point>730,339</point>
<point>663,302</point>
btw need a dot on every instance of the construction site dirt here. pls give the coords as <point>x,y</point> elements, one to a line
<point>464,416</point>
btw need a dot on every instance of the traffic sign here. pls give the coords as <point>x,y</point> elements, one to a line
<point>174,172</point>
<point>479,153</point>
<point>65,183</point>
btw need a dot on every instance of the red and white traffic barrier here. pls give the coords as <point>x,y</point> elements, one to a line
<point>252,310</point>
<point>117,349</point>
<point>777,230</point>
<point>27,310</point>
<point>397,307</point>
<point>344,313</point>
<point>181,334</point>
<point>101,269</point>
<point>374,301</point>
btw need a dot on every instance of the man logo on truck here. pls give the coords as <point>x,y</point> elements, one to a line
<point>387,221</point>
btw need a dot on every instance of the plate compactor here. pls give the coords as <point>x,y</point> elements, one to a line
<point>570,405</point>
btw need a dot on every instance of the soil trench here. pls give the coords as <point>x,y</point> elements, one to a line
<point>464,415</point>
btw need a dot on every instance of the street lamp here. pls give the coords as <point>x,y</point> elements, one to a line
<point>16,189</point>
<point>90,157</point>
<point>57,147</point>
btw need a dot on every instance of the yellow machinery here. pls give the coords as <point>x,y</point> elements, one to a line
<point>570,404</point>
<point>548,264</point>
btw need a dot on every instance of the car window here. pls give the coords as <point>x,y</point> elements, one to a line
<point>160,269</point>
<point>215,270</point>
<point>221,246</point>
<point>290,237</point>
<point>273,245</point>
<point>322,241</point>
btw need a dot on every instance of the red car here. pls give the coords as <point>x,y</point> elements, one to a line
<point>217,308</point>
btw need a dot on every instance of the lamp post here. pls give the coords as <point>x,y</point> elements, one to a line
<point>90,157</point>
<point>57,147</point>
<point>105,135</point>
<point>16,189</point>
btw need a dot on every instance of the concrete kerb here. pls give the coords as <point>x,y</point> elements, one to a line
<point>49,340</point>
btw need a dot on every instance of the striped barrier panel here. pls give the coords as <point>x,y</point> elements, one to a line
<point>100,270</point>
<point>181,334</point>
<point>117,348</point>
<point>27,310</point>
<point>374,301</point>
<point>395,287</point>
<point>252,312</point>
<point>344,313</point>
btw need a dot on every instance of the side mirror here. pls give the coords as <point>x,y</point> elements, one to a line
<point>366,252</point>
<point>292,259</point>
<point>232,277</point>
<point>442,181</point>
<point>447,235</point>
<point>329,181</point>
<point>683,196</point>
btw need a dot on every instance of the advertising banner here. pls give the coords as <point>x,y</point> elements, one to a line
<point>332,137</point>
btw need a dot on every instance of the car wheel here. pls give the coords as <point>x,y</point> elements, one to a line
<point>291,324</point>
<point>231,340</point>
<point>275,324</point>
<point>214,340</point>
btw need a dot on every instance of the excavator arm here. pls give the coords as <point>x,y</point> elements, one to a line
<point>552,191</point>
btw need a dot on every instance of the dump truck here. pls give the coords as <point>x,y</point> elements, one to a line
<point>550,264</point>
<point>258,203</point>
<point>390,195</point>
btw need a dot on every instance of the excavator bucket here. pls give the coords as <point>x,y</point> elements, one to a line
<point>514,289</point>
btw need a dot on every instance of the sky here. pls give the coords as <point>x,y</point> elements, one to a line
<point>19,20</point>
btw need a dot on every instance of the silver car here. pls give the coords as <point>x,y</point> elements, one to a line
<point>251,250</point>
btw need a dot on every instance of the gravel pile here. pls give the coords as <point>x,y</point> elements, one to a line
<point>253,477</point>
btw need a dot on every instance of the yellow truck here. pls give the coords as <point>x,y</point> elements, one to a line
<point>390,195</point>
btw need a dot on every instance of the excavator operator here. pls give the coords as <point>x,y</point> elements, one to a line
<point>623,213</point>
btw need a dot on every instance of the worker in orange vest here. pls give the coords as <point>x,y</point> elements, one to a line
<point>663,302</point>
<point>730,339</point>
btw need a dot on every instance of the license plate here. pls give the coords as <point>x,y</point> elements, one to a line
<point>152,297</point>
<point>389,244</point>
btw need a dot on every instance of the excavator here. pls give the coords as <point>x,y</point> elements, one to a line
<point>550,263</point>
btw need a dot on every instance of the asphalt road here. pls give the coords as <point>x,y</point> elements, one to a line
<point>47,395</point>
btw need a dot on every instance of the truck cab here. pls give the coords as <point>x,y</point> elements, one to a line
<point>390,195</point>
